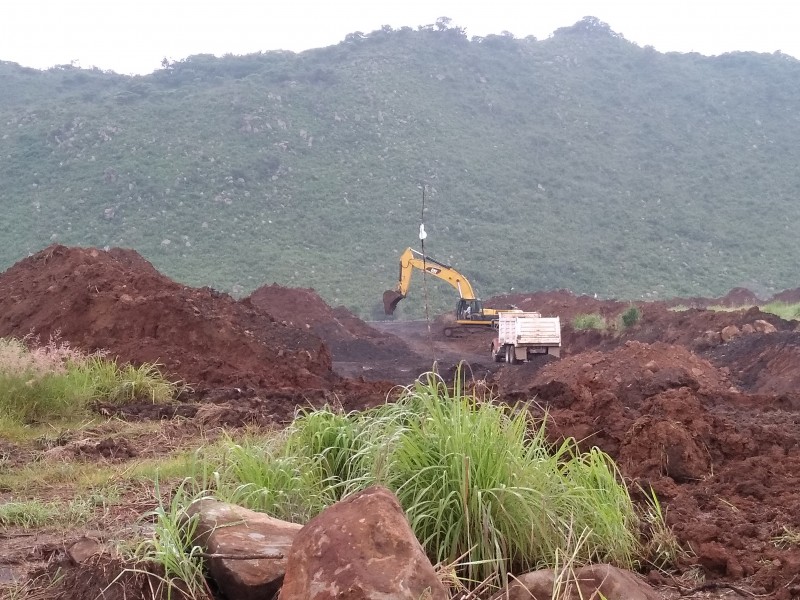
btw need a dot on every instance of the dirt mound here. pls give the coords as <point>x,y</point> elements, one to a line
<point>348,337</point>
<point>560,303</point>
<point>104,575</point>
<point>763,362</point>
<point>631,372</point>
<point>697,328</point>
<point>723,463</point>
<point>788,296</point>
<point>116,301</point>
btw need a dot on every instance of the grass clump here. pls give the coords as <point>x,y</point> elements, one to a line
<point>587,321</point>
<point>178,561</point>
<point>480,484</point>
<point>56,383</point>
<point>35,514</point>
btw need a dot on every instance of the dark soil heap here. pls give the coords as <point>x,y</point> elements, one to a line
<point>347,336</point>
<point>118,302</point>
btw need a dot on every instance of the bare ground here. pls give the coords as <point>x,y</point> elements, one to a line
<point>711,426</point>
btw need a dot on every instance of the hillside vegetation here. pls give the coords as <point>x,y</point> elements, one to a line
<point>581,161</point>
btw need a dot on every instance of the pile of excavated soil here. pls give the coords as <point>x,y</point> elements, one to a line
<point>117,302</point>
<point>347,336</point>
<point>725,464</point>
<point>766,363</point>
<point>788,296</point>
<point>698,328</point>
<point>560,303</point>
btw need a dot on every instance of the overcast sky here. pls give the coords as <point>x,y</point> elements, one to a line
<point>133,36</point>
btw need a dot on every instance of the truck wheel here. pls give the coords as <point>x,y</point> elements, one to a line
<point>511,358</point>
<point>496,356</point>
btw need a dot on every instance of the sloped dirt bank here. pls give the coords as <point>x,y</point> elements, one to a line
<point>725,463</point>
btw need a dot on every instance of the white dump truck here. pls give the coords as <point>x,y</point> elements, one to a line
<point>521,335</point>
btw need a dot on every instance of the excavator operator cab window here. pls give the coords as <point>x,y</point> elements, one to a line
<point>470,309</point>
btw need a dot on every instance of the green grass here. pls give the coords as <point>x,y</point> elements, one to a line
<point>56,383</point>
<point>662,548</point>
<point>481,486</point>
<point>786,311</point>
<point>35,514</point>
<point>589,321</point>
<point>172,549</point>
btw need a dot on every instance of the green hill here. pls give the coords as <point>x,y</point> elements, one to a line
<point>581,161</point>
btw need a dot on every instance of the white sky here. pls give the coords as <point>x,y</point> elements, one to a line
<point>133,36</point>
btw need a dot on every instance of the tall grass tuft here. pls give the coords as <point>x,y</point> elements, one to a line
<point>480,484</point>
<point>261,478</point>
<point>56,382</point>
<point>172,549</point>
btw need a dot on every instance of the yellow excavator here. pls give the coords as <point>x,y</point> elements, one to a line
<point>470,312</point>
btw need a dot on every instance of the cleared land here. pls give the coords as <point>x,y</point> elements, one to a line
<point>702,405</point>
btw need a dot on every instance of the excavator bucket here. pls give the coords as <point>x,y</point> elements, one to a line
<point>390,301</point>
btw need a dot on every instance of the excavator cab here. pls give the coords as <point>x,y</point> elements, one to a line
<point>469,310</point>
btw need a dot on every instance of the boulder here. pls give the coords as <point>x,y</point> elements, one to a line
<point>591,582</point>
<point>764,326</point>
<point>231,532</point>
<point>729,332</point>
<point>361,548</point>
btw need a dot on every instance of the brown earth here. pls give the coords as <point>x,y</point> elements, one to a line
<point>710,420</point>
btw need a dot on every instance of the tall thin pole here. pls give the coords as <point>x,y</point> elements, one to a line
<point>422,236</point>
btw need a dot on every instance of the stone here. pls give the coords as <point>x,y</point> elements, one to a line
<point>591,582</point>
<point>361,548</point>
<point>764,326</point>
<point>651,365</point>
<point>83,549</point>
<point>729,332</point>
<point>233,531</point>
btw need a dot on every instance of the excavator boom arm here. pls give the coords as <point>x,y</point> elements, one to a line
<point>410,260</point>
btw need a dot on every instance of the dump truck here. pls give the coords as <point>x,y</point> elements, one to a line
<point>523,335</point>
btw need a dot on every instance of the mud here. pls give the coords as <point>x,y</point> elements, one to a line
<point>701,406</point>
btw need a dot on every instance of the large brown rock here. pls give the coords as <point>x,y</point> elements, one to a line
<point>592,582</point>
<point>360,549</point>
<point>730,332</point>
<point>233,531</point>
<point>764,326</point>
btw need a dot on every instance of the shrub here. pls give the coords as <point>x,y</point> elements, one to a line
<point>631,316</point>
<point>589,321</point>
